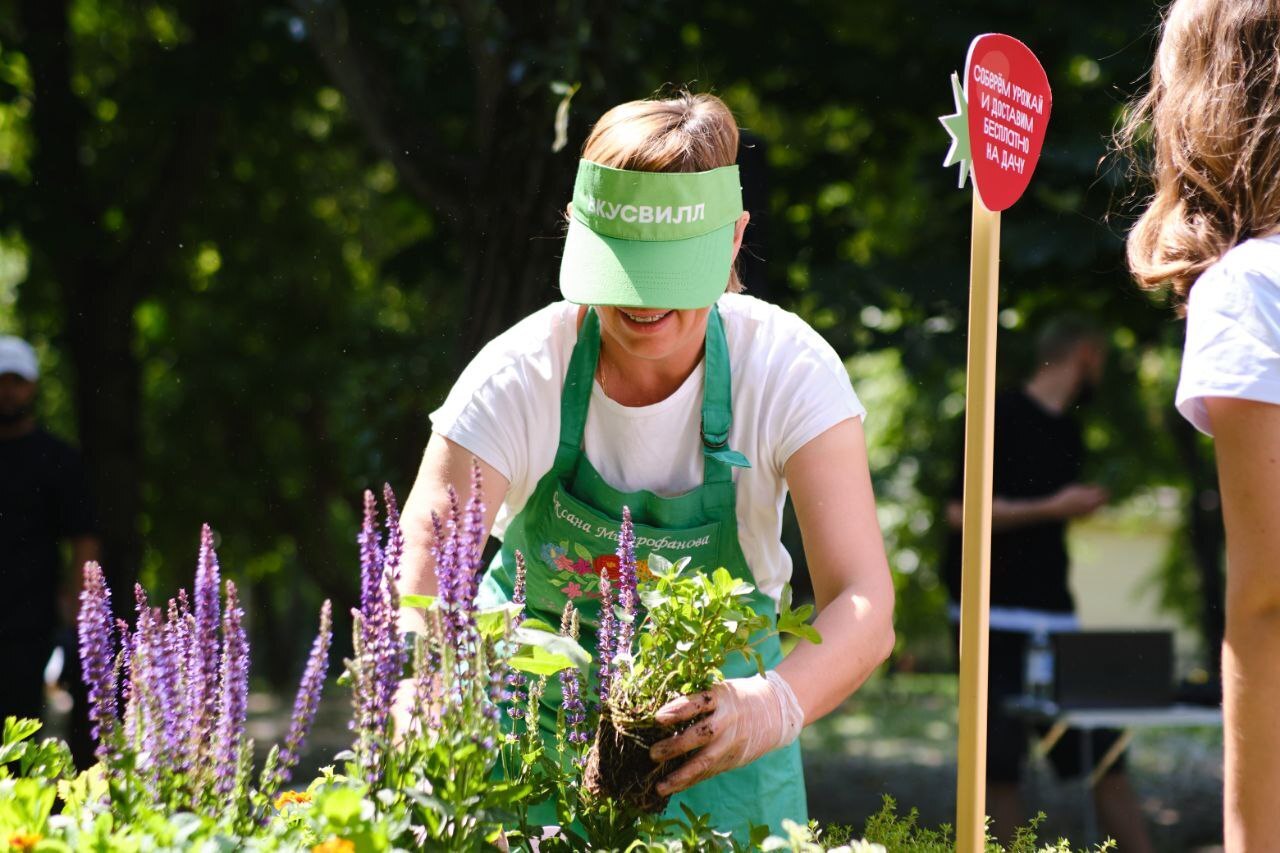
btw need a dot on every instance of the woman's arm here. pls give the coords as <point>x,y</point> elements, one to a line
<point>443,464</point>
<point>830,486</point>
<point>1073,500</point>
<point>1247,438</point>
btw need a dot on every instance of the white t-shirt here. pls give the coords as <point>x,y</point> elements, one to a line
<point>1233,331</point>
<point>789,387</point>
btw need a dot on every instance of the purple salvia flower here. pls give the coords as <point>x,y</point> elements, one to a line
<point>169,672</point>
<point>379,660</point>
<point>519,592</point>
<point>575,712</point>
<point>391,651</point>
<point>474,536</point>
<point>606,637</point>
<point>124,669</point>
<point>371,598</point>
<point>369,624</point>
<point>203,666</point>
<point>178,648</point>
<point>428,669</point>
<point>370,554</point>
<point>445,549</point>
<point>97,656</point>
<point>516,680</point>
<point>164,736</point>
<point>360,688</point>
<point>395,536</point>
<point>307,701</point>
<point>455,558</point>
<point>626,584</point>
<point>497,682</point>
<point>233,705</point>
<point>143,680</point>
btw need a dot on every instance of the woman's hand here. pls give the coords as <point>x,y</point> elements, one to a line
<point>741,720</point>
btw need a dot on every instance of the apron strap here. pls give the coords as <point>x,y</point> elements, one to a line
<point>717,403</point>
<point>576,395</point>
<point>717,407</point>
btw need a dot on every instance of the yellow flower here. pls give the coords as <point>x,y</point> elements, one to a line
<point>335,845</point>
<point>290,797</point>
<point>24,840</point>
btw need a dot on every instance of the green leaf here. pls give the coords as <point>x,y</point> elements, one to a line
<point>426,602</point>
<point>493,622</point>
<point>341,805</point>
<point>652,599</point>
<point>19,728</point>
<point>538,625</point>
<point>659,565</point>
<point>538,661</point>
<point>552,643</point>
<point>799,628</point>
<point>581,551</point>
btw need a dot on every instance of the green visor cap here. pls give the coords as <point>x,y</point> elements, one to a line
<point>650,239</point>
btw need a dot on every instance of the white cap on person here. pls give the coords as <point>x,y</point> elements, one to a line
<point>17,356</point>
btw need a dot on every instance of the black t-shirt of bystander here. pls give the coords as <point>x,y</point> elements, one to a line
<point>1037,452</point>
<point>43,501</point>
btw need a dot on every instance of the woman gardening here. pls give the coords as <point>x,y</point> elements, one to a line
<point>658,386</point>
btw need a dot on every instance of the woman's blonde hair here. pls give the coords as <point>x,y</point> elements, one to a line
<point>683,133</point>
<point>1213,117</point>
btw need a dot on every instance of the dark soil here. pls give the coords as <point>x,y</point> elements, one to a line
<point>619,765</point>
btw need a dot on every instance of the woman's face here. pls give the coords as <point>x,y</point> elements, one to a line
<point>655,334</point>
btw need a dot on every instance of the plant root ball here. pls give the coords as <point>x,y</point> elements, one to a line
<point>619,765</point>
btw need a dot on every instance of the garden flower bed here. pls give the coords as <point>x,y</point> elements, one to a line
<point>175,771</point>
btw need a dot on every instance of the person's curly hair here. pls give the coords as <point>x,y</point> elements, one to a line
<point>1210,123</point>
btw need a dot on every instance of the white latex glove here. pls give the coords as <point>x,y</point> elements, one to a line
<point>745,718</point>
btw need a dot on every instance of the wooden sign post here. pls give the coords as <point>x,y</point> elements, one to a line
<point>997,131</point>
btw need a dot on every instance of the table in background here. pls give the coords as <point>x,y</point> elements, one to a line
<point>1089,720</point>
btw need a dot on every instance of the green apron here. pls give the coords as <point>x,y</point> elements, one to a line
<point>568,533</point>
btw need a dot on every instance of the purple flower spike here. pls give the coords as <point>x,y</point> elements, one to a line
<point>390,649</point>
<point>167,670</point>
<point>380,655</point>
<point>233,706</point>
<point>626,583</point>
<point>97,656</point>
<point>395,536</point>
<point>307,701</point>
<point>474,536</point>
<point>575,712</point>
<point>203,691</point>
<point>371,560</point>
<point>178,649</point>
<point>607,637</point>
<point>518,593</point>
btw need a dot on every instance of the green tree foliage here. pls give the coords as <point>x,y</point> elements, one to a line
<point>257,240</point>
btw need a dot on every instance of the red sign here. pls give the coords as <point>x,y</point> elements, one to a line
<point>1009,101</point>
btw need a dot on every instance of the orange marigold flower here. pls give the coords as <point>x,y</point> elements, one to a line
<point>291,797</point>
<point>24,840</point>
<point>335,845</point>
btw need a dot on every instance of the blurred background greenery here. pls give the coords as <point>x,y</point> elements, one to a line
<point>255,241</point>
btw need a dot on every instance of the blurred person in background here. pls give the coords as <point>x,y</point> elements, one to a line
<point>1037,489</point>
<point>44,503</point>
